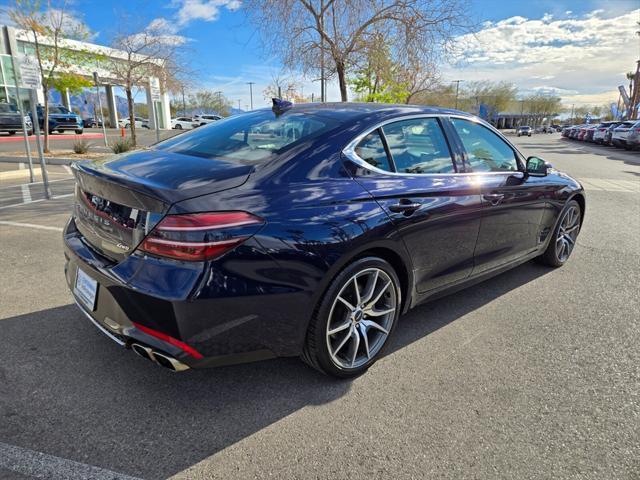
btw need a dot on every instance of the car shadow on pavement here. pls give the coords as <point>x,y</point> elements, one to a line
<point>68,391</point>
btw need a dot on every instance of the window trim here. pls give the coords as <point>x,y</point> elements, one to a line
<point>349,150</point>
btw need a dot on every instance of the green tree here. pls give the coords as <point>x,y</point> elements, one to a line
<point>379,79</point>
<point>70,81</point>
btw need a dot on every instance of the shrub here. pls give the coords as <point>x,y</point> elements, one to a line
<point>81,146</point>
<point>121,146</point>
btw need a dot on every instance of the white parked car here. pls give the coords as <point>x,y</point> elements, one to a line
<point>204,119</point>
<point>140,122</point>
<point>183,123</point>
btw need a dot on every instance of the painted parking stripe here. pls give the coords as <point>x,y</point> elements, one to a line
<point>611,185</point>
<point>41,465</point>
<point>29,225</point>
<point>26,193</point>
<point>55,197</point>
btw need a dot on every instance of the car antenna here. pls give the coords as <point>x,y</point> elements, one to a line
<point>280,106</point>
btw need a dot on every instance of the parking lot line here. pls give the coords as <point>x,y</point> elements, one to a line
<point>41,465</point>
<point>29,225</point>
<point>26,194</point>
<point>55,197</point>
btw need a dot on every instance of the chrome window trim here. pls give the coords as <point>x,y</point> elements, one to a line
<point>350,150</point>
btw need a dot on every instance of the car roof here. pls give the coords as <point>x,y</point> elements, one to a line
<point>353,110</point>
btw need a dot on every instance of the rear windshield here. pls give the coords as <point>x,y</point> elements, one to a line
<point>249,138</point>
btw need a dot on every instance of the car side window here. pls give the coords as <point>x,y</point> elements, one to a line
<point>371,150</point>
<point>418,146</point>
<point>486,151</point>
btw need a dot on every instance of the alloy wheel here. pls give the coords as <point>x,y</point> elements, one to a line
<point>361,318</point>
<point>567,233</point>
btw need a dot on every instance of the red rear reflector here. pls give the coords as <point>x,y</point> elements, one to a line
<point>200,236</point>
<point>169,339</point>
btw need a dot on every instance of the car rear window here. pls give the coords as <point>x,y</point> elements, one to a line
<point>249,138</point>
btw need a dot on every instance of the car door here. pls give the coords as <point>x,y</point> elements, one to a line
<point>513,203</point>
<point>410,171</point>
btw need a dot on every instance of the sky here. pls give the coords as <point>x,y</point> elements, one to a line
<point>578,49</point>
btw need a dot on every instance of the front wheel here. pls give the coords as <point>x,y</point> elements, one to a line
<point>354,320</point>
<point>79,132</point>
<point>564,237</point>
<point>178,127</point>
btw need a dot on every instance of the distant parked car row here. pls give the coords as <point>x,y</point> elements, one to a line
<point>187,123</point>
<point>620,134</point>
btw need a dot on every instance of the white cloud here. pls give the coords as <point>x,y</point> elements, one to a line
<point>206,10</point>
<point>573,56</point>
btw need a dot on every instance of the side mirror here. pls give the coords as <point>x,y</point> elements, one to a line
<point>537,167</point>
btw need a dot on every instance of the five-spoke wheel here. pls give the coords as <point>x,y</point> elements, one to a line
<point>355,318</point>
<point>564,237</point>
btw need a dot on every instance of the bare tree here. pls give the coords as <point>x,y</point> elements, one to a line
<point>144,53</point>
<point>48,28</point>
<point>343,30</point>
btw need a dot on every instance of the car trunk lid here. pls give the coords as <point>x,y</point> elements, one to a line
<point>119,200</point>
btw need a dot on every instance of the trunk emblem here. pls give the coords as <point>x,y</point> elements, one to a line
<point>122,246</point>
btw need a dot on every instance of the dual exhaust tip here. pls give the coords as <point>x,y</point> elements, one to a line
<point>160,358</point>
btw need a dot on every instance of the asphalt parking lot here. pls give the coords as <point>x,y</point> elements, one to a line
<point>532,374</point>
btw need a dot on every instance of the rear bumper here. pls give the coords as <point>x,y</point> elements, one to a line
<point>242,323</point>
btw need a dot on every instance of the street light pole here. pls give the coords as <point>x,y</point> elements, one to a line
<point>457,82</point>
<point>251,84</point>
<point>184,105</point>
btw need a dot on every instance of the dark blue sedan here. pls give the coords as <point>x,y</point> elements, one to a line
<point>305,231</point>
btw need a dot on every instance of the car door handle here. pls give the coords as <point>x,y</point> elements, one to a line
<point>405,206</point>
<point>493,198</point>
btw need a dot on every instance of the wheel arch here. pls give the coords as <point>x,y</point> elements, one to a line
<point>400,263</point>
<point>580,198</point>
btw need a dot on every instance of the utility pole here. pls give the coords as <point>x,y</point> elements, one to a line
<point>572,106</point>
<point>239,105</point>
<point>184,105</point>
<point>457,82</point>
<point>251,84</point>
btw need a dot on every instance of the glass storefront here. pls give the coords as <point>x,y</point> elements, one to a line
<point>8,86</point>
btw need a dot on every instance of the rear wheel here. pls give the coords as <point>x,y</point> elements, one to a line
<point>178,126</point>
<point>354,320</point>
<point>564,237</point>
<point>79,131</point>
<point>12,132</point>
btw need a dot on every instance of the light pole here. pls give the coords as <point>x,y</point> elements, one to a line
<point>457,82</point>
<point>239,105</point>
<point>251,84</point>
<point>184,105</point>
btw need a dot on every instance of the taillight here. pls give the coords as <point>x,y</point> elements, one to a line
<point>200,236</point>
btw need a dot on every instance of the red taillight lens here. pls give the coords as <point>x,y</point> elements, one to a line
<point>170,340</point>
<point>200,236</point>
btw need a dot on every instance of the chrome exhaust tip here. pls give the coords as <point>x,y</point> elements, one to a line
<point>170,362</point>
<point>161,359</point>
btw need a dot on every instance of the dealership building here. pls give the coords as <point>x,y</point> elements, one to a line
<point>17,42</point>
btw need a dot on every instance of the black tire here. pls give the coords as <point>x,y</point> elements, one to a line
<point>316,350</point>
<point>29,133</point>
<point>12,132</point>
<point>178,126</point>
<point>80,131</point>
<point>550,256</point>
